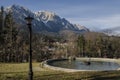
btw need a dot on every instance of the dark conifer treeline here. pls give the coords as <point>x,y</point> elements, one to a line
<point>99,45</point>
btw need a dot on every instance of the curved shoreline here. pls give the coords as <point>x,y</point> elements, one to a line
<point>46,64</point>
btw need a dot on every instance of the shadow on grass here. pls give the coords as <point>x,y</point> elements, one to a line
<point>107,78</point>
<point>106,75</point>
<point>48,75</point>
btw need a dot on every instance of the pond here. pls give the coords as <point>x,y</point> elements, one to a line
<point>82,65</point>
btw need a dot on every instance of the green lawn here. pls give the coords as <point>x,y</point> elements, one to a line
<point>20,72</point>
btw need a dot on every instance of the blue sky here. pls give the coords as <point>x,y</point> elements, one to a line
<point>94,14</point>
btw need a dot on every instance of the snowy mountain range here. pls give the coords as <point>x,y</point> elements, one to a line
<point>43,20</point>
<point>112,31</point>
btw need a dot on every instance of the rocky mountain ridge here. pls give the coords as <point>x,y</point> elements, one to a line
<point>43,20</point>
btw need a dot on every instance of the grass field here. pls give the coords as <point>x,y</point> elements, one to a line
<point>14,71</point>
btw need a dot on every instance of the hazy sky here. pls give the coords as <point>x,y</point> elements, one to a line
<point>94,14</point>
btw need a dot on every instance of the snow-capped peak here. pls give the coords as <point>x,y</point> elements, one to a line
<point>17,8</point>
<point>80,27</point>
<point>14,7</point>
<point>46,13</point>
<point>46,16</point>
<point>112,31</point>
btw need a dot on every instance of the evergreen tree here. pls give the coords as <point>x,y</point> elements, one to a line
<point>81,45</point>
<point>1,33</point>
<point>9,37</point>
<point>1,24</point>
